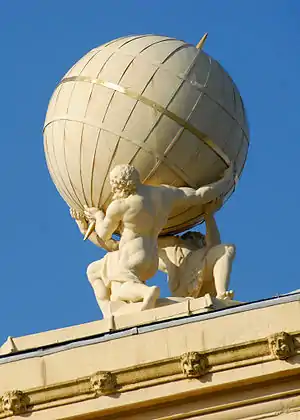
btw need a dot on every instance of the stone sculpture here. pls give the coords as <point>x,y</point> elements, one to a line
<point>171,122</point>
<point>198,264</point>
<point>140,212</point>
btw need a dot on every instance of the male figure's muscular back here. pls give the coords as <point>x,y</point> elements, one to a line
<point>142,216</point>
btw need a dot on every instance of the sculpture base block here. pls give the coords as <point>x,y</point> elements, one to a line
<point>203,304</point>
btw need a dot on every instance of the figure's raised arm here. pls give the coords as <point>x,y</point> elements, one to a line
<point>82,223</point>
<point>212,236</point>
<point>206,193</point>
<point>107,224</point>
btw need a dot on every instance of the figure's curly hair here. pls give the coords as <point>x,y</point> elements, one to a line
<point>124,180</point>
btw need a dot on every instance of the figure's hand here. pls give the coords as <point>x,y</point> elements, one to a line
<point>77,214</point>
<point>80,220</point>
<point>212,206</point>
<point>92,213</point>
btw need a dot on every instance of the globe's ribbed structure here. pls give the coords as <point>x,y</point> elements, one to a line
<point>151,101</point>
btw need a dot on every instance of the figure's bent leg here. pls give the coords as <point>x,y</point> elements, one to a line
<point>136,292</point>
<point>219,259</point>
<point>94,276</point>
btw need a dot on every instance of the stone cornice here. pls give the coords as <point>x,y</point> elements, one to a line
<point>194,364</point>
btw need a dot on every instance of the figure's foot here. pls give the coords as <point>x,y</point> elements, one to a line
<point>228,295</point>
<point>150,298</point>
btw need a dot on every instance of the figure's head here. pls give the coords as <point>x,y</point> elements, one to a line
<point>195,239</point>
<point>124,180</point>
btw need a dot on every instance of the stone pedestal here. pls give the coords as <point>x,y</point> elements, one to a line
<point>188,360</point>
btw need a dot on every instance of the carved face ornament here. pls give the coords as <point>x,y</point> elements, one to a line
<point>282,345</point>
<point>194,364</point>
<point>13,402</point>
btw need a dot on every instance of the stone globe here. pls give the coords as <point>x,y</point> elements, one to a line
<point>152,101</point>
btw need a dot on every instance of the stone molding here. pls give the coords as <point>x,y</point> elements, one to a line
<point>189,366</point>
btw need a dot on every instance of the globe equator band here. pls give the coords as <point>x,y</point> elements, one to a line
<point>149,102</point>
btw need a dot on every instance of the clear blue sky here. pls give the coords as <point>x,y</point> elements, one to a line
<point>43,257</point>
